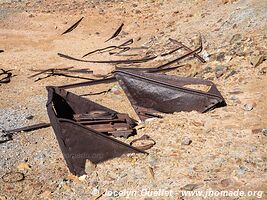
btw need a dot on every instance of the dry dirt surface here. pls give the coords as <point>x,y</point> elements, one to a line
<point>224,149</point>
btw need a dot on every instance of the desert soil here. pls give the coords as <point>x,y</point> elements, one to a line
<point>227,148</point>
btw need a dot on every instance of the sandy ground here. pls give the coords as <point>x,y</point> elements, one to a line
<point>228,149</point>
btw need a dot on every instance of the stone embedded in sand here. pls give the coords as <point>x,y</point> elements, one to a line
<point>248,107</point>
<point>186,141</point>
<point>226,182</point>
<point>190,187</point>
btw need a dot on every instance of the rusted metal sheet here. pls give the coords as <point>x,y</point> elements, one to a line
<point>77,141</point>
<point>150,93</point>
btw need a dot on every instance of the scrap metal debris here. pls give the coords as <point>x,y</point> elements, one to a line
<point>144,146</point>
<point>73,26</point>
<point>152,93</point>
<point>110,48</point>
<point>77,141</point>
<point>188,49</point>
<point>85,129</point>
<point>193,52</point>
<point>62,72</point>
<point>5,76</point>
<point>13,177</point>
<point>117,32</point>
<point>9,133</point>
<point>128,61</point>
<point>91,114</point>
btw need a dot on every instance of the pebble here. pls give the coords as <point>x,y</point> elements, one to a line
<point>190,187</point>
<point>248,107</point>
<point>220,70</point>
<point>186,141</point>
<point>205,55</point>
<point>256,60</point>
<point>220,57</point>
<point>236,38</point>
<point>23,166</point>
<point>264,131</point>
<point>241,171</point>
<point>226,182</point>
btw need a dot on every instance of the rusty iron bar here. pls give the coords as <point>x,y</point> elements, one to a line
<point>73,26</point>
<point>188,49</point>
<point>129,61</point>
<point>117,32</point>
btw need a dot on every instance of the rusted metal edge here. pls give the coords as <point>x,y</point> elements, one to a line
<point>73,26</point>
<point>11,132</point>
<point>113,79</point>
<point>129,61</point>
<point>88,83</point>
<point>144,147</point>
<point>110,48</point>
<point>188,49</point>
<point>199,49</point>
<point>7,77</point>
<point>117,32</point>
<point>169,85</point>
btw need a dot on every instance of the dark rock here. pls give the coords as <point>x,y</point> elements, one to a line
<point>220,57</point>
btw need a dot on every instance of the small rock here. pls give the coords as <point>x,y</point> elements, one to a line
<point>264,131</point>
<point>95,191</point>
<point>150,172</point>
<point>241,171</point>
<point>29,117</point>
<point>205,55</point>
<point>190,187</point>
<point>31,15</point>
<point>257,60</point>
<point>220,57</point>
<point>236,38</point>
<point>23,166</point>
<point>89,166</point>
<point>220,70</point>
<point>248,107</point>
<point>186,141</point>
<point>116,89</point>
<point>83,177</point>
<point>226,182</point>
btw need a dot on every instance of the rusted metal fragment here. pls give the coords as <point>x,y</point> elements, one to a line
<point>109,48</point>
<point>188,49</point>
<point>5,76</point>
<point>193,52</point>
<point>78,142</point>
<point>89,83</point>
<point>117,32</point>
<point>73,26</point>
<point>91,114</point>
<point>128,61</point>
<point>144,146</point>
<point>9,133</point>
<point>150,93</point>
<point>113,79</point>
